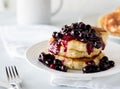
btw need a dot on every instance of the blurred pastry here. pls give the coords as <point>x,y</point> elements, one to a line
<point>111,22</point>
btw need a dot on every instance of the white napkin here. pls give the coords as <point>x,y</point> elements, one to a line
<point>109,82</point>
<point>17,39</point>
<point>5,85</point>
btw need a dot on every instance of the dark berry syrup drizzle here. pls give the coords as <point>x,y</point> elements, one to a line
<point>76,31</point>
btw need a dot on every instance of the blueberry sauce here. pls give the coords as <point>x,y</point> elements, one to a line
<point>54,47</point>
<point>76,31</point>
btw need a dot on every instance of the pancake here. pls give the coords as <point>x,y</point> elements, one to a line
<point>111,22</point>
<point>78,64</point>
<point>77,54</point>
<point>81,46</point>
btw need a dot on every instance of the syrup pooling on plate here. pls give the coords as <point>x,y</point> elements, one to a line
<point>76,31</point>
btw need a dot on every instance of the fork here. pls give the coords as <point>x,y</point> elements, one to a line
<point>13,77</point>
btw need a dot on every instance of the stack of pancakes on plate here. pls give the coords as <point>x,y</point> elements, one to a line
<point>77,44</point>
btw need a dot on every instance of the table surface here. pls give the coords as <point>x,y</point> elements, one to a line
<point>32,77</point>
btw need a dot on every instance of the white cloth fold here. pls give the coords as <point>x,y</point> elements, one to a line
<point>109,82</point>
<point>17,39</point>
<point>5,85</point>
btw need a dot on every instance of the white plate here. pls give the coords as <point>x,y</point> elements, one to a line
<point>114,37</point>
<point>112,51</point>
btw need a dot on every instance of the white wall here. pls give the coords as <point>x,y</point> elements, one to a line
<point>73,10</point>
<point>78,5</point>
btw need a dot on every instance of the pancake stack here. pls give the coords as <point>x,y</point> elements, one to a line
<point>78,45</point>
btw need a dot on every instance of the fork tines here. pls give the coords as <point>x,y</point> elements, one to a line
<point>11,72</point>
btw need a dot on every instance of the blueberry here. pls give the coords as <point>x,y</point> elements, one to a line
<point>84,40</point>
<point>49,56</point>
<point>58,67</point>
<point>92,31</point>
<point>104,63</point>
<point>49,60</point>
<point>92,37</point>
<point>66,26</point>
<point>83,35</point>
<point>87,69</point>
<point>80,35</point>
<point>40,60</point>
<point>96,68</point>
<point>54,34</point>
<point>91,69</point>
<point>65,31</point>
<point>59,35</point>
<point>57,62</point>
<point>88,26</point>
<point>90,63</point>
<point>64,68</point>
<point>111,63</point>
<point>98,44</point>
<point>75,25</point>
<point>42,54</point>
<point>104,66</point>
<point>81,25</point>
<point>75,32</point>
<point>47,63</point>
<point>104,60</point>
<point>42,57</point>
<point>62,29</point>
<point>88,36</point>
<point>80,30</point>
